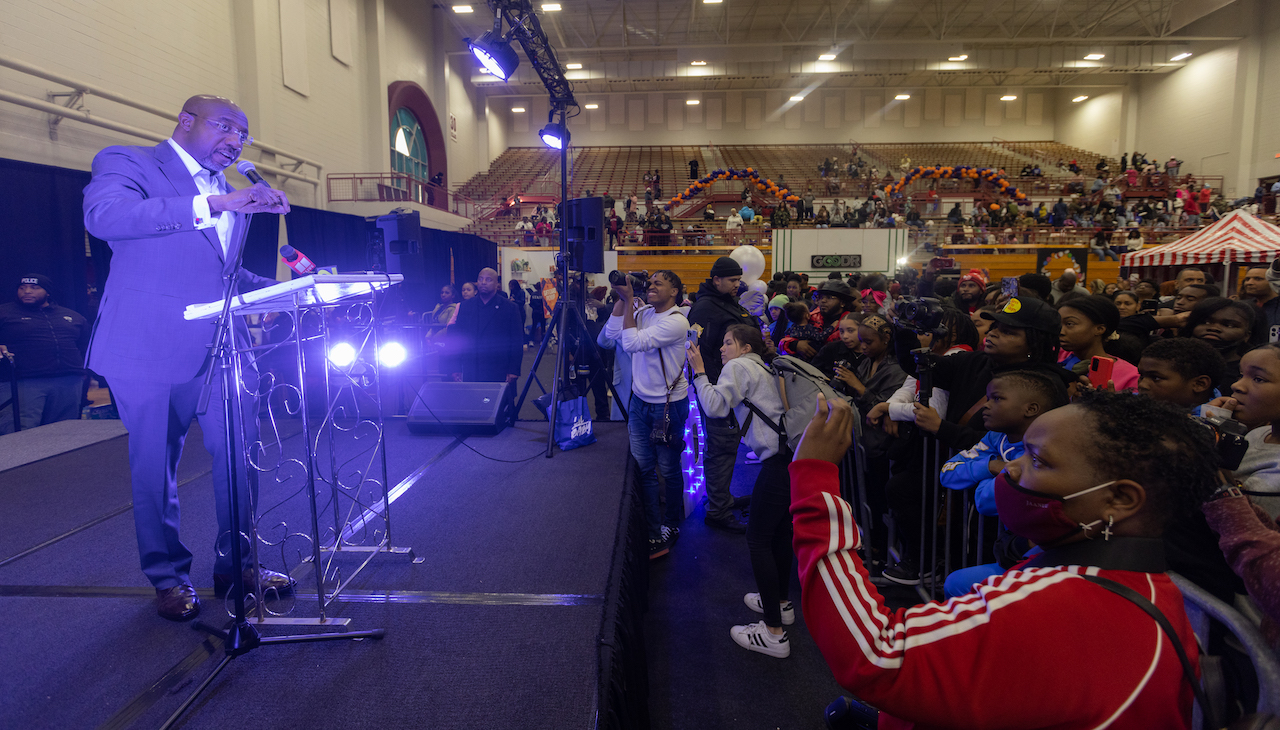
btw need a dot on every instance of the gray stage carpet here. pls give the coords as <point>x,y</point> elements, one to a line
<point>497,626</point>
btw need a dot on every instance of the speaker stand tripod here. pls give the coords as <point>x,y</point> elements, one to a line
<point>566,321</point>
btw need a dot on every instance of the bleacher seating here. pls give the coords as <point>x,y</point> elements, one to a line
<point>1048,154</point>
<point>514,167</point>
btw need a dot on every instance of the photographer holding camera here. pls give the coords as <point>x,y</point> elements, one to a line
<point>654,336</point>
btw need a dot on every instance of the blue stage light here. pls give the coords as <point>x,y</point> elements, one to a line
<point>392,354</point>
<point>342,354</point>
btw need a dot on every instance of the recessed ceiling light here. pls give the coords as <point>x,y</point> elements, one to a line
<point>961,57</point>
<point>592,106</point>
<point>550,7</point>
<point>902,97</point>
<point>517,109</point>
<point>573,66</point>
<point>1095,56</point>
<point>1079,99</point>
<point>827,57</point>
<point>462,8</point>
<point>797,98</point>
<point>711,2</point>
<point>692,102</point>
<point>697,63</point>
<point>1008,97</point>
<point>1181,56</point>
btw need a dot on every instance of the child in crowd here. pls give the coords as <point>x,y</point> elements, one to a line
<point>1180,370</point>
<point>847,349</point>
<point>801,328</point>
<point>1088,325</point>
<point>1256,402</point>
<point>745,377</point>
<point>1015,399</point>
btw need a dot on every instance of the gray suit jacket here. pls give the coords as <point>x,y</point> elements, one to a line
<point>139,201</point>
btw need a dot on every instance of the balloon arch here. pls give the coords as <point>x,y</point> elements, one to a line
<point>762,184</point>
<point>959,172</point>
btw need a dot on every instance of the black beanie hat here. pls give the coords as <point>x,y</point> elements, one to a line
<point>725,266</point>
<point>39,280</point>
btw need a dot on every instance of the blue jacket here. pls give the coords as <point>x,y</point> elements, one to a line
<point>969,468</point>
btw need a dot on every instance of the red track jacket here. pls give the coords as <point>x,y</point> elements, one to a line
<point>1032,648</point>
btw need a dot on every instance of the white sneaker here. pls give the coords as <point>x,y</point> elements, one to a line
<point>788,611</point>
<point>757,637</point>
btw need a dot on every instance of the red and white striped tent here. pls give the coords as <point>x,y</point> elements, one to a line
<point>1238,237</point>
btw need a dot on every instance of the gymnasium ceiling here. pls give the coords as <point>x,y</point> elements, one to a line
<point>652,45</point>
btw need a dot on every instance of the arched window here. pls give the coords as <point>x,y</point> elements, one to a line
<point>408,148</point>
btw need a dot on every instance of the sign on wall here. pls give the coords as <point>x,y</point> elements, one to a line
<point>835,261</point>
<point>453,127</point>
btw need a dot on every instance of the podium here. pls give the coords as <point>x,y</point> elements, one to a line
<point>323,501</point>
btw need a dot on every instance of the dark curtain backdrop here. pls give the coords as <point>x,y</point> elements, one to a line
<point>329,239</point>
<point>42,231</point>
<point>470,254</point>
<point>262,244</point>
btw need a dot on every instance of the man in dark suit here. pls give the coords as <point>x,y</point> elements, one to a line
<point>174,226</point>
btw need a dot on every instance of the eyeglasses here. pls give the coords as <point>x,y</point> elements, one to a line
<point>245,139</point>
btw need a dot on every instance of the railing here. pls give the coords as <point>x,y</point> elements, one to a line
<point>687,241</point>
<point>994,240</point>
<point>390,187</point>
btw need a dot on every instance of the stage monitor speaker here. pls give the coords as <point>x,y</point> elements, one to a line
<point>459,408</point>
<point>584,228</point>
<point>402,233</point>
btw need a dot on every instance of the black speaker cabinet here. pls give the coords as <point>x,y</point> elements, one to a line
<point>402,234</point>
<point>459,408</point>
<point>584,228</point>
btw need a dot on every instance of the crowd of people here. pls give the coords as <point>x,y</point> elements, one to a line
<point>1077,420</point>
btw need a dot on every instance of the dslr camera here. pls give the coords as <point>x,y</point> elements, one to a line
<point>922,315</point>
<point>637,280</point>
<point>1228,436</point>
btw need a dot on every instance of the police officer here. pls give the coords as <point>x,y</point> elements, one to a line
<point>44,346</point>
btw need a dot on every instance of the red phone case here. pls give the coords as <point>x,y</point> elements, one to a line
<point>1100,370</point>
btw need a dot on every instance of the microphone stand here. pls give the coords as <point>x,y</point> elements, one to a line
<point>240,637</point>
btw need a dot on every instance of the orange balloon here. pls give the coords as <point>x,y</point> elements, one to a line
<point>995,206</point>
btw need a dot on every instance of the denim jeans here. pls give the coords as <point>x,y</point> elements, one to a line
<point>666,458</point>
<point>42,400</point>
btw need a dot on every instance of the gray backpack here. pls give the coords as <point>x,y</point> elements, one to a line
<point>799,384</point>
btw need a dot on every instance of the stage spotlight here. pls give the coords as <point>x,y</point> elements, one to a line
<point>392,354</point>
<point>554,135</point>
<point>496,53</point>
<point>342,354</point>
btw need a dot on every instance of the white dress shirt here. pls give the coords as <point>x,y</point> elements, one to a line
<point>209,183</point>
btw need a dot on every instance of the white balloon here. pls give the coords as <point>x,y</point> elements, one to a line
<point>751,261</point>
<point>758,286</point>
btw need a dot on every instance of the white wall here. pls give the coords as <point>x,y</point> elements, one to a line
<point>835,116</point>
<point>1187,113</point>
<point>1094,124</point>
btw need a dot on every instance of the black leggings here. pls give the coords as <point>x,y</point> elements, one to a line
<point>769,535</point>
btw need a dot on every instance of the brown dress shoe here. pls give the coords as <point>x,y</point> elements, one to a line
<point>270,581</point>
<point>179,603</point>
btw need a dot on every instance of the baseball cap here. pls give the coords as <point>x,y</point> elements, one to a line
<point>1027,313</point>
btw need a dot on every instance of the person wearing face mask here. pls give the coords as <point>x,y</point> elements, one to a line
<point>744,377</point>
<point>1231,327</point>
<point>1094,488</point>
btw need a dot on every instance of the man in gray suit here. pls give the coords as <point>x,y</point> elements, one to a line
<point>174,226</point>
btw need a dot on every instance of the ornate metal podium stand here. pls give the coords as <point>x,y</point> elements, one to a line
<point>318,374</point>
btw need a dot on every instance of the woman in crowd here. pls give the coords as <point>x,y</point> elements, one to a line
<point>746,377</point>
<point>446,310</point>
<point>732,225</point>
<point>1088,325</point>
<point>823,218</point>
<point>1228,325</point>
<point>1098,482</point>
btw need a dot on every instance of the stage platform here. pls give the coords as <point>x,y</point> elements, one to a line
<point>499,626</point>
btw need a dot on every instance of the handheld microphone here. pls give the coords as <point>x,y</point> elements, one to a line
<point>296,260</point>
<point>246,168</point>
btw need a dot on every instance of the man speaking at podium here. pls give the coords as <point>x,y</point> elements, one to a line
<point>175,228</point>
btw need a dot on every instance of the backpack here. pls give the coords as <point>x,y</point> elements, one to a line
<point>799,384</point>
